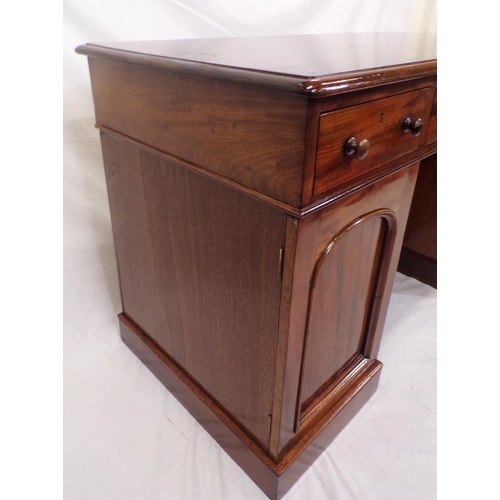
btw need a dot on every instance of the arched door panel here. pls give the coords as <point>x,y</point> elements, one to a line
<point>343,305</point>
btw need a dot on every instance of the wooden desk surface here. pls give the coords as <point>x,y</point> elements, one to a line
<point>314,65</point>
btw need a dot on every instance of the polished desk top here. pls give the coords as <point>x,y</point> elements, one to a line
<point>315,65</point>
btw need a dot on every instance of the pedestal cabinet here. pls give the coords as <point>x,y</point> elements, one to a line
<point>259,192</point>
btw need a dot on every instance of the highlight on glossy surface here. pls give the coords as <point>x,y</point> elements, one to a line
<point>415,126</point>
<point>314,65</point>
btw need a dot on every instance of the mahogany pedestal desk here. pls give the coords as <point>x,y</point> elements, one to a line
<point>259,192</point>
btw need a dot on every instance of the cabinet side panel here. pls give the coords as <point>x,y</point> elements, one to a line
<point>251,136</point>
<point>199,273</point>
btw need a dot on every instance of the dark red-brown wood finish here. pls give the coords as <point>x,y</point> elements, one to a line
<point>191,265</point>
<point>345,260</point>
<point>311,65</point>
<point>259,193</point>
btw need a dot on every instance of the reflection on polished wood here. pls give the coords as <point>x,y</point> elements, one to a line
<point>315,65</point>
<point>259,191</point>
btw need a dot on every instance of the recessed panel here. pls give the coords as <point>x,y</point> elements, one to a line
<point>341,300</point>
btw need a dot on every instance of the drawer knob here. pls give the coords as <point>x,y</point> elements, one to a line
<point>415,126</point>
<point>360,148</point>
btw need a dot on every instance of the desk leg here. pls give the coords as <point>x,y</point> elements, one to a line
<point>419,253</point>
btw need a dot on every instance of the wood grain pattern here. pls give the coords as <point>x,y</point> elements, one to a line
<point>253,137</point>
<point>380,122</point>
<point>199,274</point>
<point>211,175</point>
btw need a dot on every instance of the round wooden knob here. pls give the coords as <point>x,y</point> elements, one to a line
<point>360,148</point>
<point>418,124</point>
<point>415,126</point>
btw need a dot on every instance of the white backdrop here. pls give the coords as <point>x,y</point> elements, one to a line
<point>125,436</point>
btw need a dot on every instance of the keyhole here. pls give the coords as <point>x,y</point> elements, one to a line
<point>381,117</point>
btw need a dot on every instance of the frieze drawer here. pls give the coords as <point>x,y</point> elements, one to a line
<point>359,138</point>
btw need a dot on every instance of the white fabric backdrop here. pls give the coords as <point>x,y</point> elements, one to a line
<point>125,436</point>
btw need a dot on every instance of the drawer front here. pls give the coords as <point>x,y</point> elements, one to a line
<point>378,122</point>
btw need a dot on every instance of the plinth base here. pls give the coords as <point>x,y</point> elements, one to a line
<point>274,478</point>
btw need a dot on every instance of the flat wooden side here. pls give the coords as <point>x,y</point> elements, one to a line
<point>199,271</point>
<point>251,136</point>
<point>360,281</point>
<point>215,421</point>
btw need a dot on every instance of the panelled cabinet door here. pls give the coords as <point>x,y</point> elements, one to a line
<point>345,261</point>
<point>348,276</point>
